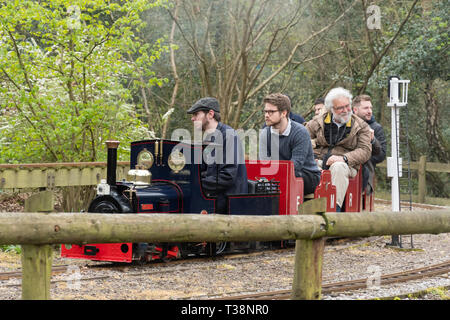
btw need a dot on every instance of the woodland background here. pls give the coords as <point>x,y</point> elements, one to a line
<point>76,73</point>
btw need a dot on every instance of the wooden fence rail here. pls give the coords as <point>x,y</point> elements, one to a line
<point>36,231</point>
<point>422,166</point>
<point>49,175</point>
<point>77,228</point>
<point>45,175</point>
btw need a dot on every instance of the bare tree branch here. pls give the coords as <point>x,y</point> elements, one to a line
<point>293,51</point>
<point>174,70</point>
<point>380,56</point>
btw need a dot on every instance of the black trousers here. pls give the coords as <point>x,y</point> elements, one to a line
<point>310,181</point>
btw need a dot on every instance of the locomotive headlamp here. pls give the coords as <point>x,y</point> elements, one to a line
<point>176,161</point>
<point>139,176</point>
<point>145,159</point>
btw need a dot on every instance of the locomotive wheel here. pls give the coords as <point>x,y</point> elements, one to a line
<point>105,205</point>
<point>220,247</point>
<point>215,248</point>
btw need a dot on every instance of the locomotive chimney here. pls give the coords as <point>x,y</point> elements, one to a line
<point>112,162</point>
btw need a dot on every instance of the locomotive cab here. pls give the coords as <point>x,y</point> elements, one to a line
<point>179,165</point>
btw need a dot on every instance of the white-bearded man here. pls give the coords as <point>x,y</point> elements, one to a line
<point>342,140</point>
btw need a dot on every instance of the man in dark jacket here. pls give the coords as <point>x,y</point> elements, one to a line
<point>362,107</point>
<point>223,169</point>
<point>296,117</point>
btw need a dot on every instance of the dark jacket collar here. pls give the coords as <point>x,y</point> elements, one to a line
<point>372,120</point>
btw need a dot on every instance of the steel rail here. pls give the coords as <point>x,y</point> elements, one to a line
<point>404,276</point>
<point>18,274</point>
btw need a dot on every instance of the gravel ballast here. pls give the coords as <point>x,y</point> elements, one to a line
<point>258,272</point>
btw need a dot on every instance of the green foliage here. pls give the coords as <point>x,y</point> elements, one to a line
<point>65,77</point>
<point>75,73</point>
<point>425,55</point>
<point>11,248</point>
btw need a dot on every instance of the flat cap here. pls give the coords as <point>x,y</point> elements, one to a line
<point>207,103</point>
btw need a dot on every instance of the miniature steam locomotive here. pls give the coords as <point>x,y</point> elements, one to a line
<point>166,178</point>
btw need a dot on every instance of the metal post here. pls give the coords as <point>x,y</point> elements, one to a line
<point>394,163</point>
<point>395,188</point>
<point>394,160</point>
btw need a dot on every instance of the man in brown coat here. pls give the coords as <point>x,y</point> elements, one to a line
<point>341,140</point>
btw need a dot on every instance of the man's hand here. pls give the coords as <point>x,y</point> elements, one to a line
<point>334,159</point>
<point>372,134</point>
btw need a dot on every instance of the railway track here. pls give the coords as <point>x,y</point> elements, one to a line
<point>122,266</point>
<point>18,273</point>
<point>424,272</point>
<point>328,288</point>
<point>55,270</point>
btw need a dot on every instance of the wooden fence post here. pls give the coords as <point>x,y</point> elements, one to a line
<point>422,178</point>
<point>307,283</point>
<point>37,259</point>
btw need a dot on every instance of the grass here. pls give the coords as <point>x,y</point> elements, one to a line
<point>11,248</point>
<point>438,293</point>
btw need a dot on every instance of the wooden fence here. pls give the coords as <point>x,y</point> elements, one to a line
<point>49,175</point>
<point>36,231</point>
<point>422,166</point>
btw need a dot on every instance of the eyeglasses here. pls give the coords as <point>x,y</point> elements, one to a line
<point>270,112</point>
<point>342,107</point>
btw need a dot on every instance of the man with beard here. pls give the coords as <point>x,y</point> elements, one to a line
<point>362,107</point>
<point>223,171</point>
<point>285,139</point>
<point>342,140</point>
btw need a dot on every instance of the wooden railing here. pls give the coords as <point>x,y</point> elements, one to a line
<point>37,231</point>
<point>422,166</point>
<point>48,175</point>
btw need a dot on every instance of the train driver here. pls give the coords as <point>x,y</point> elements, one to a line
<point>223,168</point>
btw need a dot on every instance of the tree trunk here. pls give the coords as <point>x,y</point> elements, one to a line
<point>76,198</point>
<point>438,146</point>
